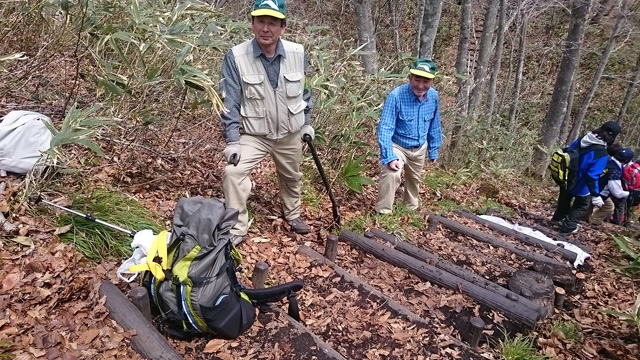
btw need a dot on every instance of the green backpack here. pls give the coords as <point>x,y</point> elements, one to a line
<point>565,163</point>
<point>196,292</point>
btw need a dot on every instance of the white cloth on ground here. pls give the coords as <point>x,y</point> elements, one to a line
<point>581,255</point>
<point>23,137</point>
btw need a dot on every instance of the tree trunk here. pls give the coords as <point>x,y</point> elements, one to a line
<point>629,93</point>
<point>577,124</point>
<point>366,35</point>
<point>603,9</point>
<point>495,71</point>
<point>419,21</point>
<point>429,29</point>
<point>462,71</point>
<point>558,106</point>
<point>393,10</point>
<point>483,56</point>
<point>517,83</point>
<point>566,121</point>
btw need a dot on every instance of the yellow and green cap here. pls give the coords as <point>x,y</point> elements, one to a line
<point>275,8</point>
<point>425,68</point>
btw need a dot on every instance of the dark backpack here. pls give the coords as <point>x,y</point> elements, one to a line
<point>565,163</point>
<point>197,292</point>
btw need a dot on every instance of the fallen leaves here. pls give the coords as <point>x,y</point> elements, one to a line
<point>49,308</point>
<point>10,282</point>
<point>214,346</point>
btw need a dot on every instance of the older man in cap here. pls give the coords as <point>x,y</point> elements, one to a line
<point>268,112</point>
<point>408,132</point>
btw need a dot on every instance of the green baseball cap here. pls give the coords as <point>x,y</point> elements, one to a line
<point>425,68</point>
<point>275,8</point>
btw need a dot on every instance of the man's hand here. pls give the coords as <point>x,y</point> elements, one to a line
<point>597,201</point>
<point>232,153</point>
<point>395,165</point>
<point>433,161</point>
<point>307,130</point>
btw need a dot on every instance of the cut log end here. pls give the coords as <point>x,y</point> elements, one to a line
<point>259,275</point>
<point>474,329</point>
<point>535,286</point>
<point>560,296</point>
<point>561,276</point>
<point>140,299</point>
<point>331,247</point>
<point>580,279</point>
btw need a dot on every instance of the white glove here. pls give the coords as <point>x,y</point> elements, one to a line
<point>233,148</point>
<point>597,201</point>
<point>307,130</point>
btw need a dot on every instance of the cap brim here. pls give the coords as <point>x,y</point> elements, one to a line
<point>422,73</point>
<point>267,12</point>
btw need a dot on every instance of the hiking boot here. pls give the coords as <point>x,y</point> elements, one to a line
<point>299,227</point>
<point>574,231</point>
<point>555,221</point>
<point>236,239</point>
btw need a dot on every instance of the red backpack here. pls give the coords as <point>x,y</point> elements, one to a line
<point>631,176</point>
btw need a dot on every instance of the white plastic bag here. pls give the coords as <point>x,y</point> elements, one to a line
<point>141,243</point>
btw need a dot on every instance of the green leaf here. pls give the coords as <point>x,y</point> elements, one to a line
<point>110,87</point>
<point>92,146</point>
<point>182,54</point>
<point>364,180</point>
<point>622,244</point>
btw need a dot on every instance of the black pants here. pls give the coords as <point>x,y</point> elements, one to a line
<point>570,214</point>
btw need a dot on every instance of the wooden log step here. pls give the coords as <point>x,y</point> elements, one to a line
<point>456,270</point>
<point>148,342</point>
<point>511,308</point>
<point>529,240</point>
<point>490,239</point>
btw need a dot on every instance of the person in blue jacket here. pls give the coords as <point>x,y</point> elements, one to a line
<point>593,159</point>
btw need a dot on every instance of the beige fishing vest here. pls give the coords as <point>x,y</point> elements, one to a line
<point>265,111</point>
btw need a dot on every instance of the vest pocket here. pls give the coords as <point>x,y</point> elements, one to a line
<point>253,87</point>
<point>254,120</point>
<point>296,116</point>
<point>293,83</point>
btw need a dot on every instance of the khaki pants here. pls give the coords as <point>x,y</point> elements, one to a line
<point>390,180</point>
<point>599,214</point>
<point>236,185</point>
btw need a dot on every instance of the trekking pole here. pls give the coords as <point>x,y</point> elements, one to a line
<point>316,159</point>
<point>86,216</point>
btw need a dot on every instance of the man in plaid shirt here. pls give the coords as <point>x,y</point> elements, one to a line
<point>409,129</point>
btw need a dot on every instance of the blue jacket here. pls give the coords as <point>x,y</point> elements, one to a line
<point>592,164</point>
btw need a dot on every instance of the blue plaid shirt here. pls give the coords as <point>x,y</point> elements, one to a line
<point>409,122</point>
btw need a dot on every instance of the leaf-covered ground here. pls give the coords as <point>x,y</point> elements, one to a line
<point>51,308</point>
